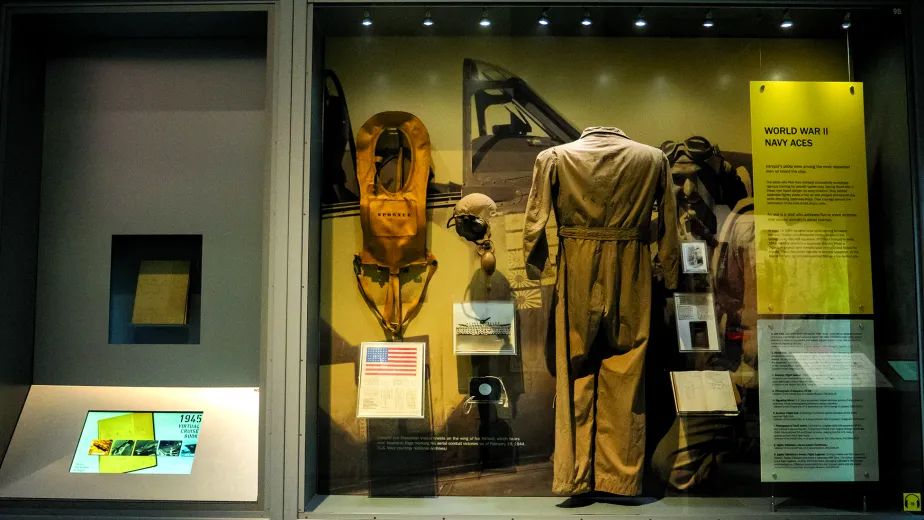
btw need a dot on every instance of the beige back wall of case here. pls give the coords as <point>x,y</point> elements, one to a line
<point>654,89</point>
<point>152,137</point>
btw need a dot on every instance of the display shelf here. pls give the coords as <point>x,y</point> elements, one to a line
<point>535,508</point>
<point>39,461</point>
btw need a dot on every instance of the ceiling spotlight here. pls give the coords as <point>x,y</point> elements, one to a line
<point>787,20</point>
<point>586,21</point>
<point>640,21</point>
<point>485,21</point>
<point>367,18</point>
<point>428,21</point>
<point>846,23</point>
<point>707,21</point>
<point>544,17</point>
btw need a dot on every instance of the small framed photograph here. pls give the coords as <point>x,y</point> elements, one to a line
<point>693,254</point>
<point>697,330</point>
<point>484,328</point>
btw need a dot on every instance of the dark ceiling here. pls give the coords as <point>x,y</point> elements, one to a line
<point>520,20</point>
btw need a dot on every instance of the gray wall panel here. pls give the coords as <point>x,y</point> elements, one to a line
<point>152,137</point>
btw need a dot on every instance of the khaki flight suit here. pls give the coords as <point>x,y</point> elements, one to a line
<point>603,188</point>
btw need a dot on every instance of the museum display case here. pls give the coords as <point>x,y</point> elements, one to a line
<point>627,206</point>
<point>136,258</point>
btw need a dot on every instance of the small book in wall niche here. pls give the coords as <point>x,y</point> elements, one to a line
<point>704,392</point>
<point>162,294</point>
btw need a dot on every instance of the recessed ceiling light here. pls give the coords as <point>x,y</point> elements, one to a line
<point>787,20</point>
<point>640,21</point>
<point>707,21</point>
<point>485,21</point>
<point>846,23</point>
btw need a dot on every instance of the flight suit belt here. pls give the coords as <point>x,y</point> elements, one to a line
<point>604,234</point>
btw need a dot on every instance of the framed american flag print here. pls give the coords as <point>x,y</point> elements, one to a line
<point>391,380</point>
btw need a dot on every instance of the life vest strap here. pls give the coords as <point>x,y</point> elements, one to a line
<point>392,320</point>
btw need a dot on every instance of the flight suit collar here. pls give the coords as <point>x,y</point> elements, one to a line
<point>603,130</point>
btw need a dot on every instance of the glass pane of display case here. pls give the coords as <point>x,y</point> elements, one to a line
<point>636,257</point>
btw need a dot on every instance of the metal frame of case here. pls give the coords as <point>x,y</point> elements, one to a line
<point>290,352</point>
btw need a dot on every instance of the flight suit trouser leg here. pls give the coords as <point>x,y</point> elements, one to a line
<point>576,317</point>
<point>620,420</point>
<point>602,315</point>
<point>619,443</point>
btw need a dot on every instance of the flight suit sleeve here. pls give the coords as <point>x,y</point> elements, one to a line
<point>668,228</point>
<point>538,207</point>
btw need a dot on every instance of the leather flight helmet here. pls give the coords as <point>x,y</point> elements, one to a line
<point>472,218</point>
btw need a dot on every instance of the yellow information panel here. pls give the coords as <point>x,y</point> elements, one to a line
<point>810,198</point>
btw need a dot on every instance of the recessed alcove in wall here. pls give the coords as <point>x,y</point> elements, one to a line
<point>128,253</point>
